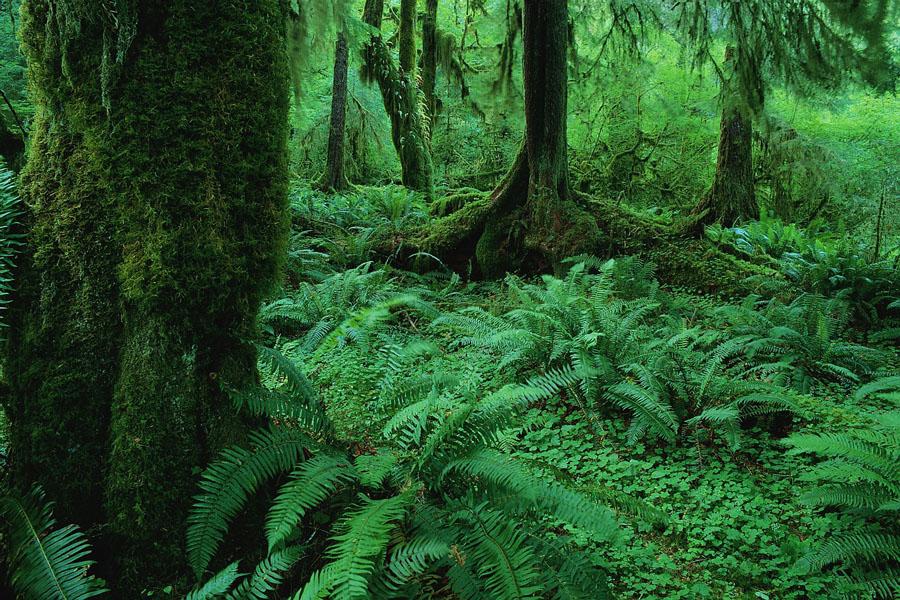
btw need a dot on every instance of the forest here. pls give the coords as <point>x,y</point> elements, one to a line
<point>449,299</point>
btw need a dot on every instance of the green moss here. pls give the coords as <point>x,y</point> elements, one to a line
<point>451,203</point>
<point>65,329</point>
<point>158,214</point>
<point>453,238</point>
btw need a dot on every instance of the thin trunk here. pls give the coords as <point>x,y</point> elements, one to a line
<point>503,84</point>
<point>732,197</point>
<point>554,226</point>
<point>334,178</point>
<point>157,212</point>
<point>429,58</point>
<point>407,37</point>
<point>12,146</point>
<point>401,101</point>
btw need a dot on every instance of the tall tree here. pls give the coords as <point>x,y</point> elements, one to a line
<point>732,197</point>
<point>334,178</point>
<point>803,44</point>
<point>156,190</point>
<point>429,57</point>
<point>536,217</point>
<point>407,37</point>
<point>401,101</point>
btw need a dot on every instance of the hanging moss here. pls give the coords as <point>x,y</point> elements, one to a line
<point>158,212</point>
<point>403,104</point>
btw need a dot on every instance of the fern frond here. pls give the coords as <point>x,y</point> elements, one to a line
<point>361,542</point>
<point>505,563</point>
<point>217,585</point>
<point>411,559</point>
<point>46,562</point>
<point>267,576</point>
<point>309,484</point>
<point>274,404</point>
<point>647,405</point>
<point>854,548</point>
<point>228,482</point>
<point>11,241</point>
<point>500,473</point>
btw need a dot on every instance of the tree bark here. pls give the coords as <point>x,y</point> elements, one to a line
<point>401,101</point>
<point>537,220</point>
<point>157,217</point>
<point>732,197</point>
<point>407,36</point>
<point>429,58</point>
<point>334,178</point>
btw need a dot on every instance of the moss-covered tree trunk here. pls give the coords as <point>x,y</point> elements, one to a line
<point>407,37</point>
<point>537,220</point>
<point>334,178</point>
<point>156,191</point>
<point>401,101</point>
<point>732,197</point>
<point>429,58</point>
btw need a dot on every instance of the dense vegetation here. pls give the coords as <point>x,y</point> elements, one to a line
<point>449,299</point>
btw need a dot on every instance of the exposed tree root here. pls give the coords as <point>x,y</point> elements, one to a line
<point>681,259</point>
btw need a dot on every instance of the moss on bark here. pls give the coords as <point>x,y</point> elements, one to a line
<point>401,102</point>
<point>732,196</point>
<point>157,203</point>
<point>538,221</point>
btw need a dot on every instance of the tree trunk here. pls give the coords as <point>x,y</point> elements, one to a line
<point>537,220</point>
<point>334,178</point>
<point>157,219</point>
<point>12,146</point>
<point>429,58</point>
<point>407,36</point>
<point>732,197</point>
<point>401,101</point>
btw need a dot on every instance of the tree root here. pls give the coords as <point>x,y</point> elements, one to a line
<point>682,259</point>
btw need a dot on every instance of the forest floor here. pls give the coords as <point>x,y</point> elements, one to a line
<point>700,518</point>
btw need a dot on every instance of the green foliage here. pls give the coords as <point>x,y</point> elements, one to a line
<point>10,238</point>
<point>859,474</point>
<point>46,562</point>
<point>228,482</point>
<point>804,341</point>
<point>604,350</point>
<point>821,265</point>
<point>437,475</point>
<point>430,436</point>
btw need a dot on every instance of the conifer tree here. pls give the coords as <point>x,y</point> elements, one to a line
<point>535,217</point>
<point>802,44</point>
<point>334,178</point>
<point>429,58</point>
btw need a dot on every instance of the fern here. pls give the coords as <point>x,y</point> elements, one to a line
<point>309,484</point>
<point>229,481</point>
<point>46,562</point>
<point>860,473</point>
<point>410,560</point>
<point>511,479</point>
<point>503,560</point>
<point>267,576</point>
<point>217,585</point>
<point>10,240</point>
<point>361,539</point>
<point>438,474</point>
